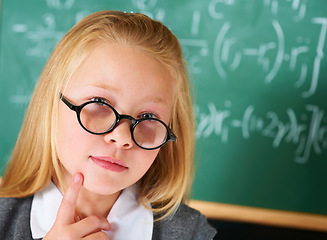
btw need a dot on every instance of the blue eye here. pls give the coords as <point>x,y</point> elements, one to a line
<point>148,115</point>
<point>99,100</point>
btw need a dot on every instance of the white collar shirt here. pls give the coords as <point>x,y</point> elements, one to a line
<point>128,218</point>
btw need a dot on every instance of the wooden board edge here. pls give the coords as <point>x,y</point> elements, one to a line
<point>278,218</point>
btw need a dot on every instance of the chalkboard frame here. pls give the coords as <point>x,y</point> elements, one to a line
<point>262,216</point>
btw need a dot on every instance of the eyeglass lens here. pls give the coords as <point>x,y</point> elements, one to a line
<point>99,118</point>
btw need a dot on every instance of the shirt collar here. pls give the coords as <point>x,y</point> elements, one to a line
<point>128,218</point>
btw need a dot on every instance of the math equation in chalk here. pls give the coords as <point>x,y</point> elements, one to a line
<point>307,132</point>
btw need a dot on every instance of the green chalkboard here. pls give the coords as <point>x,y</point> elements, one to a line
<point>260,74</point>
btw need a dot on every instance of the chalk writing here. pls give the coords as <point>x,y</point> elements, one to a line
<point>148,7</point>
<point>307,132</point>
<point>228,52</point>
<point>297,6</point>
<point>42,38</point>
<point>319,55</point>
<point>228,56</point>
<point>59,4</point>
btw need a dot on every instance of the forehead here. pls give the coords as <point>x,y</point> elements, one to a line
<point>125,70</point>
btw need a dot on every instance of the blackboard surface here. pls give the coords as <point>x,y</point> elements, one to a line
<point>259,70</point>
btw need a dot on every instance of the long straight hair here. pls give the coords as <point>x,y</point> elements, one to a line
<point>34,161</point>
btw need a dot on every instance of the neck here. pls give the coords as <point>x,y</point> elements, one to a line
<point>89,203</point>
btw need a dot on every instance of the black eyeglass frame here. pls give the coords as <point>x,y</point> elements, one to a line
<point>78,108</point>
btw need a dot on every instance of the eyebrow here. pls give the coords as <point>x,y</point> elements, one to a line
<point>114,89</point>
<point>105,86</point>
<point>159,100</point>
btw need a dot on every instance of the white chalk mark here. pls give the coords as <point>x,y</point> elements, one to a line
<point>196,23</point>
<point>245,123</point>
<point>295,52</point>
<point>19,28</point>
<point>303,76</point>
<point>318,58</point>
<point>280,52</point>
<point>217,49</point>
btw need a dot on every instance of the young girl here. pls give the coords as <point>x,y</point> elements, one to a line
<point>106,148</point>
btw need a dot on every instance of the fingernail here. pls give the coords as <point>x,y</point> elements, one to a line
<point>77,178</point>
<point>77,217</point>
<point>107,228</point>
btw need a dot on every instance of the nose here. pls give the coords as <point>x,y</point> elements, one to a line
<point>121,135</point>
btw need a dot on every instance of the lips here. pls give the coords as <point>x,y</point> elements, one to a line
<point>108,163</point>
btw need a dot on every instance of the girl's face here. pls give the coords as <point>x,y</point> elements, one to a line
<point>134,84</point>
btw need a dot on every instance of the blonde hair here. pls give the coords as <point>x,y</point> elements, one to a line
<point>34,159</point>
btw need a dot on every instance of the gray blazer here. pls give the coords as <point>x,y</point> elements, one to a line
<point>186,224</point>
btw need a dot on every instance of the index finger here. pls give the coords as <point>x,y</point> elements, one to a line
<point>66,212</point>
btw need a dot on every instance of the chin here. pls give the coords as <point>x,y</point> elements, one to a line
<point>102,187</point>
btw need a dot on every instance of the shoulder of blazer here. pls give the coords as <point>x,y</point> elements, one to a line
<point>187,223</point>
<point>15,218</point>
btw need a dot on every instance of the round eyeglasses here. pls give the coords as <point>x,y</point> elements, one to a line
<point>100,118</point>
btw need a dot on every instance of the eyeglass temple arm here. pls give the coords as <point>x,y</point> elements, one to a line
<point>172,136</point>
<point>69,104</point>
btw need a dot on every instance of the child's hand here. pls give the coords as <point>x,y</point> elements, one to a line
<point>66,227</point>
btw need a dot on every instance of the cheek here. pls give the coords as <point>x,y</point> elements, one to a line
<point>69,139</point>
<point>145,161</point>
